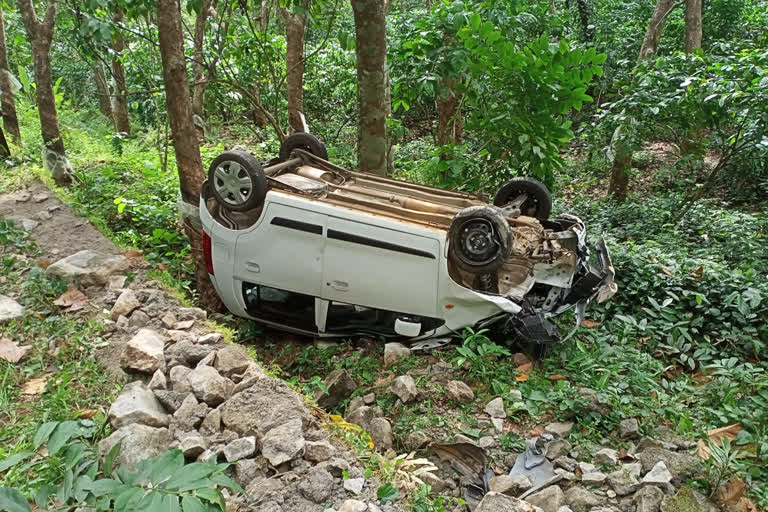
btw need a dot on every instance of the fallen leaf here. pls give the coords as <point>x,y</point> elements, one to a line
<point>556,376</point>
<point>522,377</point>
<point>698,273</point>
<point>667,271</point>
<point>87,414</point>
<point>12,351</point>
<point>162,266</point>
<point>589,324</point>
<point>747,505</point>
<point>44,263</point>
<point>525,368</point>
<point>536,431</point>
<point>730,493</point>
<point>716,436</point>
<point>34,386</point>
<point>72,300</point>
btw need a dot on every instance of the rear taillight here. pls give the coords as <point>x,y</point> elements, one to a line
<point>207,255</point>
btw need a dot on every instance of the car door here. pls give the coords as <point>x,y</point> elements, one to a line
<point>284,251</point>
<point>380,268</point>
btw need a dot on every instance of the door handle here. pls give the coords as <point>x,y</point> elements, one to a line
<point>339,286</point>
<point>253,266</point>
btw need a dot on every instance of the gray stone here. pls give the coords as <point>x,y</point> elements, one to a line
<point>369,398</point>
<point>168,320</point>
<point>548,499</point>
<point>258,409</point>
<point>564,508</point>
<point>394,352</point>
<point>158,381</point>
<point>192,446</point>
<point>39,198</point>
<point>381,433</point>
<point>340,385</point>
<point>495,502</point>
<point>122,323</point>
<point>190,414</point>
<point>125,304</point>
<point>659,474</point>
<point>186,353</point>
<point>9,309</point>
<point>209,386</point>
<point>687,500</point>
<point>192,314</point>
<point>404,387</point>
<point>184,325</point>
<point>252,375</point>
<point>586,467</point>
<point>138,319</point>
<point>140,442</point>
<point>318,451</point>
<point>179,381</point>
<point>116,282</point>
<point>231,360</point>
<point>648,499</point>
<point>283,443</point>
<point>566,463</point>
<point>137,404</point>
<point>44,215</point>
<point>207,360</point>
<point>247,470</point>
<point>607,456</point>
<point>498,424</point>
<point>29,225</point>
<point>212,423</point>
<point>594,477</point>
<point>353,506</point>
<point>558,448</point>
<point>623,482</point>
<point>580,499</point>
<point>178,336</point>
<point>629,429</point>
<point>681,465</point>
<point>416,441</point>
<point>211,338</point>
<point>240,449</point>
<point>355,403</point>
<point>560,430</point>
<point>487,442</point>
<point>495,408</point>
<point>511,485</point>
<point>171,400</point>
<point>354,485</point>
<point>144,352</point>
<point>23,197</point>
<point>459,391</point>
<point>317,485</point>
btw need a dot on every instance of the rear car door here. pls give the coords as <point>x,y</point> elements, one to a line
<point>380,268</point>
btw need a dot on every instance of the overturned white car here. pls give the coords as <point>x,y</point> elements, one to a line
<point>306,246</point>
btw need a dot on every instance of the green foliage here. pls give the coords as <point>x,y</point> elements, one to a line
<point>480,352</point>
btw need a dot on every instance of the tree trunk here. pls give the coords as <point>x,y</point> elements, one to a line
<point>200,85</point>
<point>655,28</point>
<point>622,164</point>
<point>188,160</point>
<point>447,105</point>
<point>102,89</point>
<point>40,34</point>
<point>371,50</point>
<point>10,121</point>
<point>119,99</point>
<point>295,25</point>
<point>587,32</point>
<point>692,25</point>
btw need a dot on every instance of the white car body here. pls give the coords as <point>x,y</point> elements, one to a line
<point>323,268</point>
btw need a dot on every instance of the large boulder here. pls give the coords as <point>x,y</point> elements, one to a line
<point>137,404</point>
<point>648,499</point>
<point>687,500</point>
<point>232,360</point>
<point>495,502</point>
<point>261,407</point>
<point>681,465</point>
<point>581,499</point>
<point>89,267</point>
<point>340,385</point>
<point>140,442</point>
<point>209,386</point>
<point>144,352</point>
<point>381,433</point>
<point>186,353</point>
<point>549,499</point>
<point>9,309</point>
<point>316,485</point>
<point>283,443</point>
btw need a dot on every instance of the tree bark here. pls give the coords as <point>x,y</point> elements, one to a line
<point>371,50</point>
<point>447,105</point>
<point>295,25</point>
<point>102,89</point>
<point>188,160</point>
<point>693,31</point>
<point>655,27</point>
<point>119,99</point>
<point>587,33</point>
<point>622,164</point>
<point>40,35</point>
<point>200,85</point>
<point>10,121</point>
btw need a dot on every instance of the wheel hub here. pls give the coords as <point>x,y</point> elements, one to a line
<point>477,241</point>
<point>232,183</point>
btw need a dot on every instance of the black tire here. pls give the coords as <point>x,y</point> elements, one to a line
<point>237,181</point>
<point>539,202</point>
<point>305,141</point>
<point>479,239</point>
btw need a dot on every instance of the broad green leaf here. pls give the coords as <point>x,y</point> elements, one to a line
<point>109,460</point>
<point>213,496</point>
<point>43,493</point>
<point>128,498</point>
<point>63,433</point>
<point>105,486</point>
<point>13,460</point>
<point>387,493</point>
<point>171,503</point>
<point>43,433</point>
<point>192,473</point>
<point>165,466</point>
<point>475,21</point>
<point>12,500</point>
<point>224,481</point>
<point>192,504</point>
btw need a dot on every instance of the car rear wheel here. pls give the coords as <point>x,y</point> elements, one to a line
<point>479,239</point>
<point>238,181</point>
<point>305,141</point>
<point>538,204</point>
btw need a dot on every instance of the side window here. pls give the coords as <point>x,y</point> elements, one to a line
<point>280,306</point>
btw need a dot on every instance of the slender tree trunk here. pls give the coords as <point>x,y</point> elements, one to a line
<point>587,32</point>
<point>10,121</point>
<point>102,89</point>
<point>447,105</point>
<point>119,99</point>
<point>692,25</point>
<point>655,28</point>
<point>40,34</point>
<point>622,165</point>
<point>200,85</point>
<point>295,25</point>
<point>188,160</point>
<point>371,49</point>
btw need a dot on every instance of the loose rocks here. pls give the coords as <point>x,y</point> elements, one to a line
<point>144,352</point>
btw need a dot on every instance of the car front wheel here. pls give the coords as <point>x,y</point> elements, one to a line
<point>238,181</point>
<point>479,240</point>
